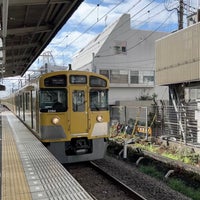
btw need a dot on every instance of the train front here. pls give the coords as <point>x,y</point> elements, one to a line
<point>74,115</point>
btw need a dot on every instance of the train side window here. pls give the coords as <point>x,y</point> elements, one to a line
<point>27,100</point>
<point>20,101</point>
<point>78,99</point>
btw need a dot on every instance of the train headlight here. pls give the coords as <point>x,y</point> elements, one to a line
<point>99,118</point>
<point>55,120</point>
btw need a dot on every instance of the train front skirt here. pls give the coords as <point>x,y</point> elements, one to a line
<point>58,149</point>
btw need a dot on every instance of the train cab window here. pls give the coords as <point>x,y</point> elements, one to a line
<point>78,99</point>
<point>53,100</point>
<point>98,100</point>
<point>97,82</point>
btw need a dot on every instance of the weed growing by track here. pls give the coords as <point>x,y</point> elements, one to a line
<point>174,183</point>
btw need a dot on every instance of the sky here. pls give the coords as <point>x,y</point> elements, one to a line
<point>93,16</point>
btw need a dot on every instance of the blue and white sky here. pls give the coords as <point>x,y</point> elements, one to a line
<point>93,16</point>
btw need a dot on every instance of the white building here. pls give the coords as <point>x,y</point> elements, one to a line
<point>127,57</point>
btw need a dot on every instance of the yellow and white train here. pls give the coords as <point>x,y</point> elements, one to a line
<point>67,111</point>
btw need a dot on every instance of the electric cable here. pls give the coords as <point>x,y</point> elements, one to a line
<point>77,25</point>
<point>93,24</point>
<point>129,10</point>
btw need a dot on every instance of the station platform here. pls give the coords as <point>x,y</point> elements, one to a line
<point>29,170</point>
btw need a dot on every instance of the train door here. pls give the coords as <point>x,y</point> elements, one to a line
<point>78,111</point>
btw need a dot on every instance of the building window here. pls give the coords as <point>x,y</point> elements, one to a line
<point>147,77</point>
<point>124,49</point>
<point>114,76</point>
<point>105,73</point>
<point>134,77</point>
<point>117,49</point>
<point>119,76</point>
<point>120,47</point>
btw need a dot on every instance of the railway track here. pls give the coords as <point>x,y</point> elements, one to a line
<point>100,184</point>
<point>123,186</point>
<point>104,188</point>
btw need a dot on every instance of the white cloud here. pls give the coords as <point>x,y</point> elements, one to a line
<point>63,48</point>
<point>90,19</point>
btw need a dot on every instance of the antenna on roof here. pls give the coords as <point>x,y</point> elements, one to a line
<point>97,12</point>
<point>106,20</point>
<point>70,67</point>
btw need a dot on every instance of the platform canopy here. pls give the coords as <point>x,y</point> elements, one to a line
<point>26,28</point>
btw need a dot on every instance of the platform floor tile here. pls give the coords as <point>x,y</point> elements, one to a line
<point>42,176</point>
<point>14,182</point>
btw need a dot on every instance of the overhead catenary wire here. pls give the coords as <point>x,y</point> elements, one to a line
<point>88,14</point>
<point>72,42</point>
<point>144,23</point>
<point>93,24</point>
<point>96,7</point>
<point>142,15</point>
<point>145,38</point>
<point>175,5</point>
<point>150,60</point>
<point>134,14</point>
<point>101,19</point>
<point>107,14</point>
<point>149,35</point>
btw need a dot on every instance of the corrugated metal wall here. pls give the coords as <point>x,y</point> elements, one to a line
<point>178,57</point>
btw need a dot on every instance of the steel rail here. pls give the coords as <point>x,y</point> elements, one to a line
<point>124,187</point>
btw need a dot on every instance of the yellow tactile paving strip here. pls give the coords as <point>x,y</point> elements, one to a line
<point>14,183</point>
<point>30,171</point>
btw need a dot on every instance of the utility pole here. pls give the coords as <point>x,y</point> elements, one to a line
<point>180,14</point>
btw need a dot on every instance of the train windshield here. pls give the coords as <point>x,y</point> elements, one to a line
<point>53,100</point>
<point>98,100</point>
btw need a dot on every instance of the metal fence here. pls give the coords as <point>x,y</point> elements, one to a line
<point>180,124</point>
<point>130,119</point>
